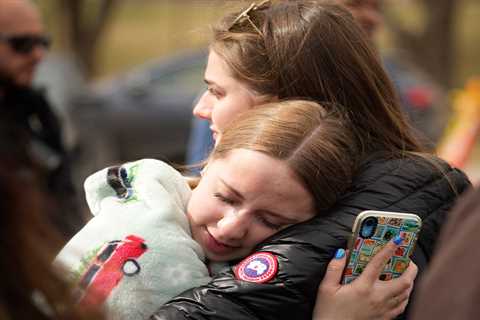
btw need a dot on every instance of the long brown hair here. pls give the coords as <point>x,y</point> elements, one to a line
<point>314,50</point>
<point>316,144</point>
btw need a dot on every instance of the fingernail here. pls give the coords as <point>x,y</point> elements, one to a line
<point>398,240</point>
<point>339,254</point>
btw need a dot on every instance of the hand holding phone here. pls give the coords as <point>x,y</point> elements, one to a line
<point>381,300</point>
<point>371,232</point>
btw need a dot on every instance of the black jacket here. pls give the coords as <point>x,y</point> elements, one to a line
<point>303,251</point>
<point>31,136</point>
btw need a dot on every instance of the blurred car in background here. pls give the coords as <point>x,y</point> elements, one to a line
<point>145,113</point>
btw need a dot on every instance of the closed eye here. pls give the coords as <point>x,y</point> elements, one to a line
<point>217,94</point>
<point>224,199</point>
<point>269,224</point>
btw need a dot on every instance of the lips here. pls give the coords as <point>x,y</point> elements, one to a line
<point>214,246</point>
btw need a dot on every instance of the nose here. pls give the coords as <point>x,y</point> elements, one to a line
<point>38,52</point>
<point>233,226</point>
<point>203,108</point>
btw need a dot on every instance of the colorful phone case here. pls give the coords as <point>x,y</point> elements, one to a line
<point>390,224</point>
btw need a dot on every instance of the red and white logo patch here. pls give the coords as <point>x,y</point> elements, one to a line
<point>259,267</point>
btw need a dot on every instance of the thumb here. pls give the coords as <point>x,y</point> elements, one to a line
<point>335,270</point>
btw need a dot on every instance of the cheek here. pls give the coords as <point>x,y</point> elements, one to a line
<point>259,234</point>
<point>222,115</point>
<point>228,109</point>
<point>8,63</point>
<point>16,68</point>
<point>201,209</point>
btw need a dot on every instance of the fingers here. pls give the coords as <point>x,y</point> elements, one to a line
<point>404,283</point>
<point>397,303</point>
<point>335,270</point>
<point>411,273</point>
<point>404,297</point>
<point>398,310</point>
<point>375,266</point>
<point>400,290</point>
<point>397,300</point>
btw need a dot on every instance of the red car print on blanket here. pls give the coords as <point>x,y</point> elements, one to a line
<point>114,260</point>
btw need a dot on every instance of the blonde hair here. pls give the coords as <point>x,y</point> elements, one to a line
<point>316,144</point>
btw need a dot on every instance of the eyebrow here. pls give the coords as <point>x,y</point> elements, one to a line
<point>284,219</point>
<point>268,212</point>
<point>210,82</point>
<point>233,190</point>
<point>213,83</point>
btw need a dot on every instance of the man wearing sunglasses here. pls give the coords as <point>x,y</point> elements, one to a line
<point>28,125</point>
<point>22,42</point>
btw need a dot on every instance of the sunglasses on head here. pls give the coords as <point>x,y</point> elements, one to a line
<point>245,16</point>
<point>24,44</point>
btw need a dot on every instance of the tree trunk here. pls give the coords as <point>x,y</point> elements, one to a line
<point>433,48</point>
<point>84,30</point>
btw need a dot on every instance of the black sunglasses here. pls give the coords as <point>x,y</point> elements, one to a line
<point>24,44</point>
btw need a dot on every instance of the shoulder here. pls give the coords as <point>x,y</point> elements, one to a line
<point>425,186</point>
<point>413,169</point>
<point>28,101</point>
<point>418,182</point>
<point>27,94</point>
<point>422,185</point>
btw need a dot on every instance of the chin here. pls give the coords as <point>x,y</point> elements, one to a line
<point>225,258</point>
<point>215,258</point>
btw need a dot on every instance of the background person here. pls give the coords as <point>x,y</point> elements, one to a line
<point>25,111</point>
<point>451,285</point>
<point>314,50</point>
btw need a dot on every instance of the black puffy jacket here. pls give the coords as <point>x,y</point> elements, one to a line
<point>304,250</point>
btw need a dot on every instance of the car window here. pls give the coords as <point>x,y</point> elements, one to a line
<point>187,79</point>
<point>87,278</point>
<point>107,252</point>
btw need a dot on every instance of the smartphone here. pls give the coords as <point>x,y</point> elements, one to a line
<point>374,229</point>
